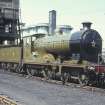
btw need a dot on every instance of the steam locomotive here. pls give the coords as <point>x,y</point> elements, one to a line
<point>66,56</point>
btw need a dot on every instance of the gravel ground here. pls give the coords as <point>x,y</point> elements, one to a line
<point>35,92</point>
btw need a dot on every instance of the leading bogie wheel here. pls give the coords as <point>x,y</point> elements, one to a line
<point>83,79</point>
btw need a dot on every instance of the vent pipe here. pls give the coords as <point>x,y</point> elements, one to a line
<point>52,22</point>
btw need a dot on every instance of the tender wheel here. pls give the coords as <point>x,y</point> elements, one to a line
<point>4,66</point>
<point>14,67</point>
<point>8,66</point>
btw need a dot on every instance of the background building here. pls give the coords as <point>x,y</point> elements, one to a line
<point>9,20</point>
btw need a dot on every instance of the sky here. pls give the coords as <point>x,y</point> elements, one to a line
<point>69,12</point>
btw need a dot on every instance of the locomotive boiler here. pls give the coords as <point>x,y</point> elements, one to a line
<point>85,44</point>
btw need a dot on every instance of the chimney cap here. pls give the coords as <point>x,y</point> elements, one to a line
<point>52,10</point>
<point>87,24</point>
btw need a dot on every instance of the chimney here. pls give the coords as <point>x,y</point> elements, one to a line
<point>86,25</point>
<point>52,22</point>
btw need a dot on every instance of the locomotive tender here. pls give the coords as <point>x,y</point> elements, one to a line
<point>64,55</point>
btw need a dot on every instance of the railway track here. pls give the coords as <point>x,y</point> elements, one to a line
<point>73,85</point>
<point>67,84</point>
